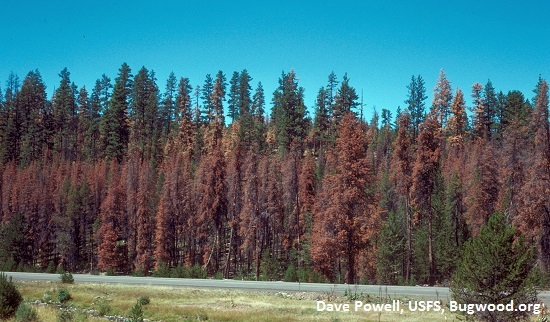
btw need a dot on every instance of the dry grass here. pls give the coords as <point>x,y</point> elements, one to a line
<point>186,304</point>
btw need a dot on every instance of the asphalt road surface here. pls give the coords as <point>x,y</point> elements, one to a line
<point>425,292</point>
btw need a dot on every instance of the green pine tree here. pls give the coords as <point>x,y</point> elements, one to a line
<point>289,112</point>
<point>496,267</point>
<point>415,102</point>
<point>114,127</point>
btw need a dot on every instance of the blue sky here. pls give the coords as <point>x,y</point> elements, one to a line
<point>380,44</point>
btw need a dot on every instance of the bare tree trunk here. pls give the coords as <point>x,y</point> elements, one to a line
<point>227,261</point>
<point>408,264</point>
<point>430,250</point>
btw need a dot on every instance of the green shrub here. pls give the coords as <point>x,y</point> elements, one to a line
<point>65,315</point>
<point>51,268</point>
<point>197,271</point>
<point>66,278</point>
<point>110,272</point>
<point>9,265</point>
<point>162,271</point>
<point>10,298</point>
<point>316,277</point>
<point>26,313</point>
<point>291,275</point>
<point>144,300</point>
<point>20,267</point>
<point>63,295</point>
<point>270,268</point>
<point>136,313</point>
<point>80,315</point>
<point>59,270</point>
<point>47,297</point>
<point>103,306</point>
<point>179,271</point>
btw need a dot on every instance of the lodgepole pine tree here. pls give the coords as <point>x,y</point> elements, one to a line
<point>455,127</point>
<point>249,217</point>
<point>345,100</point>
<point>111,251</point>
<point>288,113</point>
<point>534,213</point>
<point>64,117</point>
<point>423,180</point>
<point>144,116</point>
<point>146,199</point>
<point>496,268</point>
<point>482,192</point>
<point>186,125</point>
<point>114,124</point>
<point>172,229</point>
<point>33,103</point>
<point>212,206</point>
<point>345,215</point>
<point>415,103</point>
<point>400,174</point>
<point>442,98</point>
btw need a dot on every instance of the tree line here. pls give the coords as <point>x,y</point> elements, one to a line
<point>132,179</point>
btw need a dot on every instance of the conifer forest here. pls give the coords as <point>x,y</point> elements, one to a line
<point>139,176</point>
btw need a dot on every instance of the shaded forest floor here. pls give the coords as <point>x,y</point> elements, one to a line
<point>101,302</point>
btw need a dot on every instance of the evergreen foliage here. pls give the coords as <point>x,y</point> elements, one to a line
<point>26,313</point>
<point>10,298</point>
<point>391,250</point>
<point>136,312</point>
<point>123,179</point>
<point>66,278</point>
<point>289,112</point>
<point>14,243</point>
<point>63,295</point>
<point>496,267</point>
<point>114,127</point>
<point>415,102</point>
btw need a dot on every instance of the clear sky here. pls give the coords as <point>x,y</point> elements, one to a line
<point>380,44</point>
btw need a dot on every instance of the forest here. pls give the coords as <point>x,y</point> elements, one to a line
<point>127,178</point>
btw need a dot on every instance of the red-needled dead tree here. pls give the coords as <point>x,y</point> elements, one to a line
<point>164,225</point>
<point>131,178</point>
<point>400,174</point>
<point>173,237</point>
<point>534,213</point>
<point>482,185</point>
<point>290,170</point>
<point>147,199</point>
<point>423,180</point>
<point>249,217</point>
<point>112,251</point>
<point>306,198</point>
<point>453,165</point>
<point>212,205</point>
<point>345,214</point>
<point>97,179</point>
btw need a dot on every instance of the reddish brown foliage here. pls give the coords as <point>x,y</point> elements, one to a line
<point>111,248</point>
<point>482,192</point>
<point>534,213</point>
<point>144,217</point>
<point>423,179</point>
<point>345,217</point>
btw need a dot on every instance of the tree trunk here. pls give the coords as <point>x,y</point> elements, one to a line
<point>430,250</point>
<point>408,264</point>
<point>227,261</point>
<point>544,257</point>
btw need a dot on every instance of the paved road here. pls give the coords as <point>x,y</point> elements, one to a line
<point>339,289</point>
